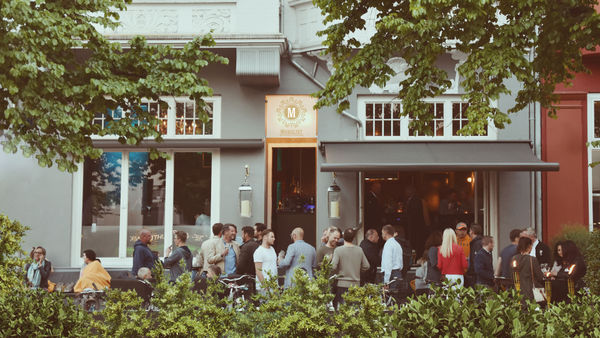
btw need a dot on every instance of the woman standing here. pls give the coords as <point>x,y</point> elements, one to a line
<point>451,259</point>
<point>39,270</point>
<point>530,273</point>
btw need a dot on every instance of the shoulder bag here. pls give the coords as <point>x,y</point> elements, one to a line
<point>539,294</point>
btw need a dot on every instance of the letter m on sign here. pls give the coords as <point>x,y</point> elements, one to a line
<point>291,112</point>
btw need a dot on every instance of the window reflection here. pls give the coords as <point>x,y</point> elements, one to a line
<point>146,200</point>
<point>191,200</point>
<point>101,204</point>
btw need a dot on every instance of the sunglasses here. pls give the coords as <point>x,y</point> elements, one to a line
<point>38,252</point>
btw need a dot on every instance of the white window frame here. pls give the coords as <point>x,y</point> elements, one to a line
<point>171,118</point>
<point>591,98</point>
<point>123,261</point>
<point>447,100</point>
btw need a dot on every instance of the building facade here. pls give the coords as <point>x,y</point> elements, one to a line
<point>263,132</point>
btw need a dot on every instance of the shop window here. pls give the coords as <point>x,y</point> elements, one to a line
<point>125,192</point>
<point>382,119</point>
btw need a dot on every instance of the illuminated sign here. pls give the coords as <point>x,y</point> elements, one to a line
<point>291,116</point>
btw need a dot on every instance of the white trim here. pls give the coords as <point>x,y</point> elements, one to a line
<point>590,149</point>
<point>124,205</point>
<point>447,100</point>
<point>77,216</point>
<point>169,196</point>
<point>215,186</point>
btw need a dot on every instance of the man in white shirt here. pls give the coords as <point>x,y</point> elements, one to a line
<point>391,257</point>
<point>265,260</point>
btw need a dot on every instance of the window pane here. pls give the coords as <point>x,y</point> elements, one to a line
<point>179,110</point>
<point>146,200</point>
<point>388,111</point>
<point>369,128</point>
<point>456,110</point>
<point>455,127</point>
<point>191,204</point>
<point>189,109</point>
<point>439,128</point>
<point>396,130</point>
<point>387,128</point>
<point>369,111</point>
<point>101,205</point>
<point>439,110</point>
<point>208,127</point>
<point>396,111</point>
<point>378,127</point>
<point>378,111</point>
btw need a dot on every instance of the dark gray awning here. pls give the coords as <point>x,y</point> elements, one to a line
<point>184,143</point>
<point>430,156</point>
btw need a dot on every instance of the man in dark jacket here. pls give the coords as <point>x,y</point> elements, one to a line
<point>475,245</point>
<point>246,260</point>
<point>539,250</point>
<point>142,255</point>
<point>181,252</point>
<point>483,266</point>
<point>370,247</point>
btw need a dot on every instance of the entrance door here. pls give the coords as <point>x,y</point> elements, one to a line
<point>292,193</point>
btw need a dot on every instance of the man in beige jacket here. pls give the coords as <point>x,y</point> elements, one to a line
<point>226,251</point>
<point>208,248</point>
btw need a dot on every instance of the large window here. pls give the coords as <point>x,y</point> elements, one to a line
<point>177,116</point>
<point>125,192</point>
<point>381,117</point>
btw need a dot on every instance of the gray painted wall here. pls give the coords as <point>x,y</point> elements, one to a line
<point>41,199</point>
<point>513,204</point>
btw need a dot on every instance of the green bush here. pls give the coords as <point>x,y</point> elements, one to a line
<point>11,263</point>
<point>38,313</point>
<point>577,233</point>
<point>580,318</point>
<point>592,260</point>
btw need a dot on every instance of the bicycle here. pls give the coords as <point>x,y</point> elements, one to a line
<point>389,298</point>
<point>237,293</point>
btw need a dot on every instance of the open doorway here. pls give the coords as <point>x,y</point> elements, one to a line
<point>418,203</point>
<point>293,193</point>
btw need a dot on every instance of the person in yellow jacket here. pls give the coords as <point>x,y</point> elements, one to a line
<point>93,275</point>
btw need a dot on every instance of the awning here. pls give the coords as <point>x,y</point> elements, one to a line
<point>432,156</point>
<point>113,143</point>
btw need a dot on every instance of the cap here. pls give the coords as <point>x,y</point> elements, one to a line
<point>461,225</point>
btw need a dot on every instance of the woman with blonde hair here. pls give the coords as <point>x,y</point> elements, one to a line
<point>451,258</point>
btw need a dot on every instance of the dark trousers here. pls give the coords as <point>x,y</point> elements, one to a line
<point>338,296</point>
<point>395,286</point>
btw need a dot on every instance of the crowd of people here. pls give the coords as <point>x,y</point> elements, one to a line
<point>463,256</point>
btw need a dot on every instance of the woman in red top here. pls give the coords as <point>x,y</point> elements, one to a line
<point>451,259</point>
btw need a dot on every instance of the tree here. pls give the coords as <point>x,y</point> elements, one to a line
<point>57,72</point>
<point>538,42</point>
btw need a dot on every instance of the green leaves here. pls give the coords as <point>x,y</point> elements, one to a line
<point>537,42</point>
<point>57,72</point>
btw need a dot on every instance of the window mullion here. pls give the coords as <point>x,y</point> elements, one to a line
<point>447,118</point>
<point>171,116</point>
<point>124,204</point>
<point>403,122</point>
<point>169,196</point>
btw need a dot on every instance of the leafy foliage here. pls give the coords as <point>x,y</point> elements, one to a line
<point>578,233</point>
<point>536,42</point>
<point>57,72</point>
<point>592,259</point>
<point>11,263</point>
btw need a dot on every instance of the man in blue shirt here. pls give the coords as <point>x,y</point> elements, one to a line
<point>231,249</point>
<point>391,257</point>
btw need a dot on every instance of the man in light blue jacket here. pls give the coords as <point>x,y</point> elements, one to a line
<point>299,255</point>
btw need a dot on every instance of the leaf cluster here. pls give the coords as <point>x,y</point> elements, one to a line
<point>57,73</point>
<point>537,42</point>
<point>11,253</point>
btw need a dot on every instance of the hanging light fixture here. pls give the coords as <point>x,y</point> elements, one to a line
<point>333,199</point>
<point>246,196</point>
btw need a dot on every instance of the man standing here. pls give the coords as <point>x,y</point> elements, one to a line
<point>326,251</point>
<point>299,255</point>
<point>391,257</point>
<point>371,250</point>
<point>484,269</point>
<point>539,249</point>
<point>462,238</point>
<point>475,245</point>
<point>142,255</point>
<point>348,262</point>
<point>265,260</point>
<point>504,268</point>
<point>258,230</point>
<point>181,252</point>
<point>246,261</point>
<point>208,248</point>
<point>227,250</point>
